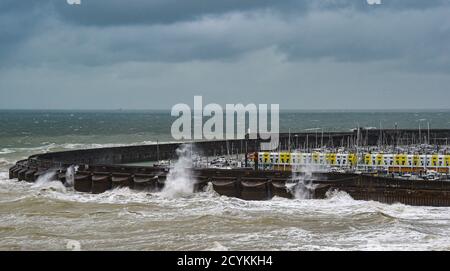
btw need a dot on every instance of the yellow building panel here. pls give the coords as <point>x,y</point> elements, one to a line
<point>285,158</point>
<point>352,158</point>
<point>400,160</point>
<point>266,157</point>
<point>379,159</point>
<point>447,160</point>
<point>368,159</point>
<point>316,157</point>
<point>434,160</point>
<point>403,159</point>
<point>331,158</point>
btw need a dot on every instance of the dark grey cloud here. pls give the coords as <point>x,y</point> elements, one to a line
<point>18,20</point>
<point>119,12</point>
<point>418,38</point>
<point>101,45</point>
<point>122,12</point>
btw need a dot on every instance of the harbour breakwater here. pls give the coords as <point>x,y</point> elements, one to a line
<point>154,152</point>
<point>99,170</point>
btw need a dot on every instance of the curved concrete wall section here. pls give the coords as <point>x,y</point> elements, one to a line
<point>141,153</point>
<point>103,169</point>
<point>133,154</point>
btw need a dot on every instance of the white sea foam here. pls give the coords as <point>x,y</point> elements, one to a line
<point>4,176</point>
<point>337,195</point>
<point>70,146</point>
<point>335,223</point>
<point>6,151</point>
<point>217,247</point>
<point>4,162</point>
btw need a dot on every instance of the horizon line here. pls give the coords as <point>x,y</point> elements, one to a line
<point>169,109</point>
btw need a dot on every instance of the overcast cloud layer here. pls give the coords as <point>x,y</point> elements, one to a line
<point>152,54</point>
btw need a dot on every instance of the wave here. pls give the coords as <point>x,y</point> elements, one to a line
<point>209,203</point>
<point>339,196</point>
<point>217,247</point>
<point>335,223</point>
<point>4,176</point>
<point>5,162</point>
<point>6,151</point>
<point>72,146</point>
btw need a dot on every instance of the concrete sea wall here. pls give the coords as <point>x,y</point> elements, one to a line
<point>103,169</point>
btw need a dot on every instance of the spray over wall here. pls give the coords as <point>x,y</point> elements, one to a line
<point>45,178</point>
<point>301,185</point>
<point>70,175</point>
<point>179,180</point>
<point>48,181</point>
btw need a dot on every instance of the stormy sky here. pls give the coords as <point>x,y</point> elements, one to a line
<point>152,54</point>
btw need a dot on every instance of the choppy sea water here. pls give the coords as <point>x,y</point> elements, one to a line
<point>51,217</point>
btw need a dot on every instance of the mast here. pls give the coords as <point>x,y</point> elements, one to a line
<point>289,147</point>
<point>307,143</point>
<point>395,137</point>
<point>321,140</point>
<point>316,139</point>
<point>381,137</point>
<point>157,150</point>
<point>420,133</point>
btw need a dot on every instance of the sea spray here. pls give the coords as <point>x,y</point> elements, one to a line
<point>48,181</point>
<point>45,178</point>
<point>209,190</point>
<point>217,247</point>
<point>179,180</point>
<point>4,162</point>
<point>70,175</point>
<point>337,195</point>
<point>301,185</point>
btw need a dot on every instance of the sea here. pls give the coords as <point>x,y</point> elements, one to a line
<point>49,216</point>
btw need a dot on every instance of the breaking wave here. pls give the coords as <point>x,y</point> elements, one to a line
<point>122,218</point>
<point>5,162</point>
<point>6,151</point>
<point>179,180</point>
<point>70,146</point>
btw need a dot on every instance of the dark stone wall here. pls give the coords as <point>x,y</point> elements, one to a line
<point>132,154</point>
<point>371,137</point>
<point>108,160</point>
